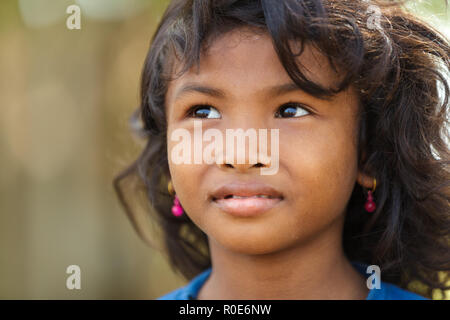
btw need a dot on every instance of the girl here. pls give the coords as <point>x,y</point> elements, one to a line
<point>359,96</point>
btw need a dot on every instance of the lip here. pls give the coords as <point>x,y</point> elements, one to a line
<point>255,198</point>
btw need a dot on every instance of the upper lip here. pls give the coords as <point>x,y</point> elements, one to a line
<point>245,189</point>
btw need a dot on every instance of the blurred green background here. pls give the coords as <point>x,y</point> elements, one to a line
<point>65,99</point>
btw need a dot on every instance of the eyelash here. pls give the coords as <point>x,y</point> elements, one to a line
<point>193,108</point>
<point>295,104</point>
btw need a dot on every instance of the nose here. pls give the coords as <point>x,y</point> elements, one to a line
<point>246,145</point>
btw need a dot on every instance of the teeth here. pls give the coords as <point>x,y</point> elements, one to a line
<point>257,196</point>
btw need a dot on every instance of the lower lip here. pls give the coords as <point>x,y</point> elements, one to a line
<point>246,207</point>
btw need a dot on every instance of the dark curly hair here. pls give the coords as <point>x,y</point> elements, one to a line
<point>399,66</point>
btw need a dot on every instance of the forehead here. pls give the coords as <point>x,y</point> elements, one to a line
<point>243,61</point>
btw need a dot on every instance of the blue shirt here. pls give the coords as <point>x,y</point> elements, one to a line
<point>387,291</point>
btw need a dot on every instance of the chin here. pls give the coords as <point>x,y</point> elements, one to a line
<point>251,245</point>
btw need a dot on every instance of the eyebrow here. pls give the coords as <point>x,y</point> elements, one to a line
<point>276,90</point>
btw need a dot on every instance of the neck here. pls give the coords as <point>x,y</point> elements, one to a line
<point>317,269</point>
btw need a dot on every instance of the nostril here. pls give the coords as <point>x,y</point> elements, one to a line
<point>244,166</point>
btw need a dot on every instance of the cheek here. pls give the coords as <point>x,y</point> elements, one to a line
<point>323,167</point>
<point>186,179</point>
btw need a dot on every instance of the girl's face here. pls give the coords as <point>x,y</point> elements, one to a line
<point>317,145</point>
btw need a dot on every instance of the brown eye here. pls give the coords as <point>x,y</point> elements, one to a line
<point>291,110</point>
<point>204,111</point>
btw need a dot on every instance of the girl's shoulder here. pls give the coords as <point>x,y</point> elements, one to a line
<point>189,291</point>
<point>386,290</point>
<point>390,291</point>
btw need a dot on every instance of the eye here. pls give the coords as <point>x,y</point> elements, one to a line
<point>291,110</point>
<point>204,111</point>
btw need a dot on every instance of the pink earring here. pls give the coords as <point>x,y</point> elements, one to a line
<point>177,209</point>
<point>370,205</point>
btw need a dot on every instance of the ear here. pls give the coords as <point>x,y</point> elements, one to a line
<point>365,180</point>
